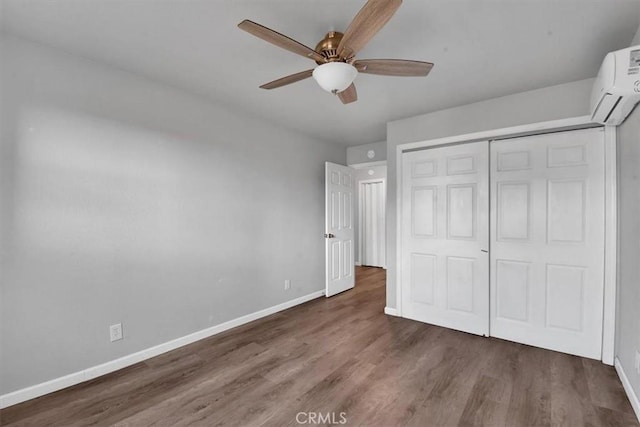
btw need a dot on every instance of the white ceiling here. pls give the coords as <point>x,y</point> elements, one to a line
<point>482,49</point>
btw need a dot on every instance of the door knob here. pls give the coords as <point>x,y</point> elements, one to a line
<point>328,236</point>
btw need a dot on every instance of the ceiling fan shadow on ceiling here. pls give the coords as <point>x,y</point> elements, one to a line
<point>335,53</point>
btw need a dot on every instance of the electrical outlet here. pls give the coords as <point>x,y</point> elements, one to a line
<point>115,332</point>
<point>637,362</point>
<point>287,285</point>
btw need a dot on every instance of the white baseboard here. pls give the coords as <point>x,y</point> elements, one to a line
<point>357,263</point>
<point>56,384</point>
<point>633,397</point>
<point>391,311</point>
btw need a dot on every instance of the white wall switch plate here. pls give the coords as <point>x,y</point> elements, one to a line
<point>637,364</point>
<point>115,332</point>
<point>287,285</point>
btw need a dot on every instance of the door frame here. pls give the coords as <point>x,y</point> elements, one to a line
<point>611,227</point>
<point>360,218</point>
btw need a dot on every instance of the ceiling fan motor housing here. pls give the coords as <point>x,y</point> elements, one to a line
<point>328,46</point>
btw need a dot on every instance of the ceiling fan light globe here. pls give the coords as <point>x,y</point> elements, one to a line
<point>334,77</point>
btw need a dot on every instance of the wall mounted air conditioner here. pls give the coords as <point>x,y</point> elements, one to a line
<point>617,87</point>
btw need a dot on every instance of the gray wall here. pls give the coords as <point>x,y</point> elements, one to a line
<point>628,313</point>
<point>358,154</point>
<point>362,174</point>
<point>628,299</point>
<point>124,200</point>
<point>557,102</point>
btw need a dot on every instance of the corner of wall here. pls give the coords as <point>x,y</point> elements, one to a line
<point>628,298</point>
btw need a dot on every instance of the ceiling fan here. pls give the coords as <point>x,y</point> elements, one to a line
<point>335,53</point>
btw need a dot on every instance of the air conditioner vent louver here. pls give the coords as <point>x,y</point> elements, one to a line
<point>605,108</point>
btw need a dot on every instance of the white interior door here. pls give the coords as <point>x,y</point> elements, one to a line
<point>339,189</point>
<point>445,266</point>
<point>372,223</point>
<point>547,237</point>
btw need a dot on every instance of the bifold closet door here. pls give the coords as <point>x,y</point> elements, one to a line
<point>547,241</point>
<point>372,229</point>
<point>445,266</point>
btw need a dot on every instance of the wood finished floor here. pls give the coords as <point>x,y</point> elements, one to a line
<point>343,355</point>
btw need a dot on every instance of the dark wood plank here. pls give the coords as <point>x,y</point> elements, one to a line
<point>485,405</point>
<point>530,401</point>
<point>609,417</point>
<point>343,355</point>
<point>570,397</point>
<point>604,388</point>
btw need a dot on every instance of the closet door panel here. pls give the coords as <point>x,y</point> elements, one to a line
<point>547,241</point>
<point>445,267</point>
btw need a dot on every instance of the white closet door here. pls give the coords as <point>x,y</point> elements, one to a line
<point>370,237</point>
<point>373,224</point>
<point>445,267</point>
<point>547,241</point>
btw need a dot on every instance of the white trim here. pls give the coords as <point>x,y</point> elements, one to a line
<point>610,245</point>
<point>398,230</point>
<point>582,122</point>
<point>368,164</point>
<point>56,384</point>
<point>358,264</point>
<point>372,180</point>
<point>391,311</point>
<point>633,397</point>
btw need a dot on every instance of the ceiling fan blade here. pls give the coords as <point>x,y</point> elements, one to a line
<point>279,40</point>
<point>288,80</point>
<point>371,18</point>
<point>393,67</point>
<point>348,95</point>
